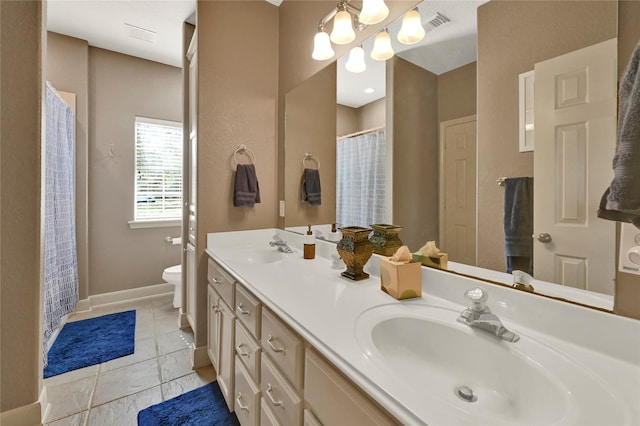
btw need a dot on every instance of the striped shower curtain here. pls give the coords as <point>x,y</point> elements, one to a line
<point>60,259</point>
<point>360,180</point>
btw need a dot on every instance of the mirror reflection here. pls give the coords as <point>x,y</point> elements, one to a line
<point>451,125</point>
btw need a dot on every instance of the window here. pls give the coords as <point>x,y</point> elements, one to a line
<point>158,188</point>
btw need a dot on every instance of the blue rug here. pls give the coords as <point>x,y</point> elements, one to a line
<point>92,341</point>
<point>204,406</point>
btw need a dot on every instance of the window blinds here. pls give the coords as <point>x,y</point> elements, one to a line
<point>158,188</point>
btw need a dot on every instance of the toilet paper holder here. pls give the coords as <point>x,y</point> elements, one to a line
<point>173,240</point>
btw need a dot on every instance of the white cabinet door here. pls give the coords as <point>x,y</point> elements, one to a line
<point>226,363</point>
<point>192,282</point>
<point>213,325</point>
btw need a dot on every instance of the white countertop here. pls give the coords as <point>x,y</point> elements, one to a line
<point>324,307</point>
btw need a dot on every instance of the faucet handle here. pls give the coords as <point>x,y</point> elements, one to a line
<point>478,298</point>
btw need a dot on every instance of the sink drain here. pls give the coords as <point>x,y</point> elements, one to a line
<point>466,394</point>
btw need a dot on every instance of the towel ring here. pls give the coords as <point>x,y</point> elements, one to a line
<point>242,149</point>
<point>309,156</point>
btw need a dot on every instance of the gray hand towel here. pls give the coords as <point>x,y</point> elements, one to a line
<point>246,191</point>
<point>621,201</point>
<point>518,220</point>
<point>310,187</point>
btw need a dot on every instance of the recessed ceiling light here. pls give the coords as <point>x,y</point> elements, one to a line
<point>369,90</point>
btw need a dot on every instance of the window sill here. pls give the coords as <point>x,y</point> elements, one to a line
<point>155,223</point>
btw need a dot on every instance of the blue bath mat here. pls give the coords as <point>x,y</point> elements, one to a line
<point>204,406</point>
<point>92,341</point>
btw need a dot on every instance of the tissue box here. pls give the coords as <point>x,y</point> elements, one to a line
<point>400,280</point>
<point>440,261</point>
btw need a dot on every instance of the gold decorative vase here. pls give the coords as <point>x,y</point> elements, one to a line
<point>385,239</point>
<point>355,249</point>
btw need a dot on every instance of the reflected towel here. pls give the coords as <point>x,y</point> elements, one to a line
<point>311,187</point>
<point>621,201</point>
<point>518,221</point>
<point>246,191</point>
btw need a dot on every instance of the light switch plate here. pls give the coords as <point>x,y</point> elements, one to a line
<point>281,208</point>
<point>629,249</point>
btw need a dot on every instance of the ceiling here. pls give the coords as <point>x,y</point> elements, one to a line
<point>152,29</point>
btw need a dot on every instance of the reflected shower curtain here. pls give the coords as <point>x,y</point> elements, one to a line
<point>60,259</point>
<point>360,180</point>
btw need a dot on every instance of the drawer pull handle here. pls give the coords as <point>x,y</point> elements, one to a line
<point>240,309</point>
<point>239,401</point>
<point>239,350</point>
<point>273,348</point>
<point>216,280</point>
<point>273,401</point>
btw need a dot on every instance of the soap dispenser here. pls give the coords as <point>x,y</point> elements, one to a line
<point>309,251</point>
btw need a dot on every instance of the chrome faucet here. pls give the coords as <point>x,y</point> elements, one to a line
<point>479,316</point>
<point>280,244</point>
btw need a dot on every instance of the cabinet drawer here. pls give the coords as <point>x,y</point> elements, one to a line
<point>248,310</point>
<point>284,346</point>
<point>334,400</point>
<point>279,396</point>
<point>222,282</point>
<point>248,351</point>
<point>247,397</point>
<point>266,416</point>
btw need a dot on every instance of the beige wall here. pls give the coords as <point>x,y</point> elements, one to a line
<point>310,126</point>
<point>122,87</point>
<point>68,70</point>
<point>21,92</point>
<point>627,293</point>
<point>457,92</point>
<point>237,104</point>
<point>347,120</point>
<point>512,37</point>
<point>412,131</point>
<point>372,115</point>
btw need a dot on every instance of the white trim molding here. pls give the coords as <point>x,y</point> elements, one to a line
<point>26,415</point>
<point>160,223</point>
<point>200,357</point>
<point>124,296</point>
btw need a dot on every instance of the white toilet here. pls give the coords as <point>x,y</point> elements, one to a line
<point>172,275</point>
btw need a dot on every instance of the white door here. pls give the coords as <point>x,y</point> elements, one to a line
<point>575,116</point>
<point>458,189</point>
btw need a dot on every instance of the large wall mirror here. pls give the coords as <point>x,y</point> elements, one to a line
<point>449,111</point>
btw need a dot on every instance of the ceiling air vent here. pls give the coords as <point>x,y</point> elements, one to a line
<point>140,33</point>
<point>435,21</point>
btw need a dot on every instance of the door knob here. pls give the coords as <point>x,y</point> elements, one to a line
<point>544,238</point>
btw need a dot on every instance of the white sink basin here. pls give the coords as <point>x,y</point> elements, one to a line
<point>522,383</point>
<point>256,256</point>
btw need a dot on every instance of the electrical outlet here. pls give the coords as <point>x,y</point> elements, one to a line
<point>629,249</point>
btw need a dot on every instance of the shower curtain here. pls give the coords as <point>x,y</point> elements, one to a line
<point>60,258</point>
<point>360,180</point>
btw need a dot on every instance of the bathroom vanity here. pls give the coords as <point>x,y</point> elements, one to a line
<point>295,343</point>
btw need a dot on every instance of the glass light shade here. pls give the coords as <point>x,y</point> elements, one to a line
<point>382,49</point>
<point>356,63</point>
<point>411,31</point>
<point>373,12</point>
<point>342,32</point>
<point>322,49</point>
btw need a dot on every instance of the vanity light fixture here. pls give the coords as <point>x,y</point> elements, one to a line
<point>356,63</point>
<point>382,49</point>
<point>342,26</point>
<point>322,49</point>
<point>411,31</point>
<point>373,12</point>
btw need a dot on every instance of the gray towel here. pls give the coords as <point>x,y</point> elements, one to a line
<point>518,221</point>
<point>621,201</point>
<point>246,191</point>
<point>311,187</point>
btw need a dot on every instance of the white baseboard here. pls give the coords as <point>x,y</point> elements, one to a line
<point>124,296</point>
<point>27,415</point>
<point>44,404</point>
<point>200,357</point>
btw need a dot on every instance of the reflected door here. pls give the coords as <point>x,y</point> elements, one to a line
<point>575,116</point>
<point>458,189</point>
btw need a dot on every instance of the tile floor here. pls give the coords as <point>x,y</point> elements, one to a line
<point>113,392</point>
